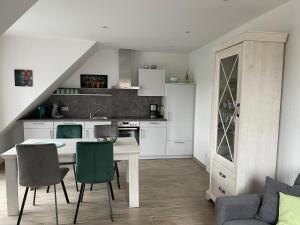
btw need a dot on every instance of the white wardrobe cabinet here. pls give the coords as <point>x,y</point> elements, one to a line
<point>179,112</point>
<point>245,113</point>
<point>151,82</point>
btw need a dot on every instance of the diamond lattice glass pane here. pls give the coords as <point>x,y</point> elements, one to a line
<point>227,106</point>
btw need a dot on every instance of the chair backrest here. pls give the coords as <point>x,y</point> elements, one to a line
<point>94,162</point>
<point>69,131</point>
<point>105,131</point>
<point>38,165</point>
<point>297,181</point>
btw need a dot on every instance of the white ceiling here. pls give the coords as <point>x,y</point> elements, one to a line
<point>154,25</point>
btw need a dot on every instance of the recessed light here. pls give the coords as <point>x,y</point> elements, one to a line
<point>188,32</point>
<point>104,27</point>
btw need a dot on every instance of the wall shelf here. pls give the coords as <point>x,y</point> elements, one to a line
<point>99,95</point>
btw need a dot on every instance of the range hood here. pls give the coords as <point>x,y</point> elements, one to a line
<point>126,70</point>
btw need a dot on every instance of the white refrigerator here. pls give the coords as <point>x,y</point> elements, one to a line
<point>179,112</point>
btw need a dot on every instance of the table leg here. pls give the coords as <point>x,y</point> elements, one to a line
<point>134,195</point>
<point>127,171</point>
<point>11,174</point>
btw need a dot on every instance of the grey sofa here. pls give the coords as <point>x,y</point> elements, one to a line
<point>240,210</point>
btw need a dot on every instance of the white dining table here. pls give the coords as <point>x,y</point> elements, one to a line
<point>125,148</point>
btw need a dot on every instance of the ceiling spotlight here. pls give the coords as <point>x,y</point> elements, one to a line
<point>104,27</point>
<point>188,32</point>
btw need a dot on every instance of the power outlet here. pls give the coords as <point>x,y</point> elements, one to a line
<point>64,108</point>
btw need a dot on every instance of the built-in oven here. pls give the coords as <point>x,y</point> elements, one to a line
<point>129,129</point>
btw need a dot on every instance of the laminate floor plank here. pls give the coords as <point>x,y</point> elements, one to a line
<point>171,193</point>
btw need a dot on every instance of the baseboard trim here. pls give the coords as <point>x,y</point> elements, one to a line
<point>199,163</point>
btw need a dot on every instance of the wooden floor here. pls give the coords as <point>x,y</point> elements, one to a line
<point>171,193</point>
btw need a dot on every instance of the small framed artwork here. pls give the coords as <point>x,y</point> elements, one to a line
<point>93,81</point>
<point>23,78</point>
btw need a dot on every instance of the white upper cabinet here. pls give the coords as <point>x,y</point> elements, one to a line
<point>151,82</point>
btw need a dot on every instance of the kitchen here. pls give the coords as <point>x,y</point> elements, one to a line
<point>143,103</point>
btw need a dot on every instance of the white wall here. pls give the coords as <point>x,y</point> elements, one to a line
<point>283,19</point>
<point>49,59</point>
<point>106,61</point>
<point>103,61</point>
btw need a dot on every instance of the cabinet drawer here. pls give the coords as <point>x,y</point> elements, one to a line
<point>218,189</point>
<point>38,125</point>
<point>153,124</point>
<point>179,148</point>
<point>223,175</point>
<point>90,125</point>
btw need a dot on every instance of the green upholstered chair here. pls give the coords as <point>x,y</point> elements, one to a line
<point>94,165</point>
<point>69,131</point>
<point>108,131</point>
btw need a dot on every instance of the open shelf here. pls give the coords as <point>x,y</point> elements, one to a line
<point>100,95</point>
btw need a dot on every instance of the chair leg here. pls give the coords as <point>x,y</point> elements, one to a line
<point>48,189</point>
<point>91,187</point>
<point>65,191</point>
<point>78,203</point>
<point>109,199</point>
<point>55,198</point>
<point>81,200</point>
<point>111,191</point>
<point>117,174</point>
<point>75,176</point>
<point>22,207</point>
<point>34,195</point>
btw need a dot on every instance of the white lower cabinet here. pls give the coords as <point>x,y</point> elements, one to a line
<point>179,148</point>
<point>34,130</point>
<point>153,139</point>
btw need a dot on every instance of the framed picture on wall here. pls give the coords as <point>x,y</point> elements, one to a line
<point>23,78</point>
<point>93,81</point>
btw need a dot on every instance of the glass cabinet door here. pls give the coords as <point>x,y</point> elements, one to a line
<point>227,106</point>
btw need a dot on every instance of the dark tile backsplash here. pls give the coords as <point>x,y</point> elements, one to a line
<point>121,103</point>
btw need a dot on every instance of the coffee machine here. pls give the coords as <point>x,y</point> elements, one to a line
<point>153,110</point>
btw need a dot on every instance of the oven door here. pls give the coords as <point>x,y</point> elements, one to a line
<point>129,132</point>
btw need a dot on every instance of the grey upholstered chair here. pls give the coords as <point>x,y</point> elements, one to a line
<point>108,131</point>
<point>39,166</point>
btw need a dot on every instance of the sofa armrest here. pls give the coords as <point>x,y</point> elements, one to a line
<point>236,207</point>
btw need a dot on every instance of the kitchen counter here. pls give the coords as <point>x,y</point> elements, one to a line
<point>116,118</point>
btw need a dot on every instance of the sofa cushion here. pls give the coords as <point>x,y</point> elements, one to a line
<point>289,208</point>
<point>268,211</point>
<point>245,222</point>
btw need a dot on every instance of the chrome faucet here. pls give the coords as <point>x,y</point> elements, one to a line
<point>94,113</point>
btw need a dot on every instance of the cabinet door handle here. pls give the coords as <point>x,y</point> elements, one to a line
<point>87,135</point>
<point>38,123</point>
<point>221,190</point>
<point>51,134</point>
<point>222,174</point>
<point>142,133</point>
<point>169,116</point>
<point>179,142</point>
<point>154,123</point>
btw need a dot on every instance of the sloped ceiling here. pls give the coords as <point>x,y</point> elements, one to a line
<point>162,25</point>
<point>11,10</point>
